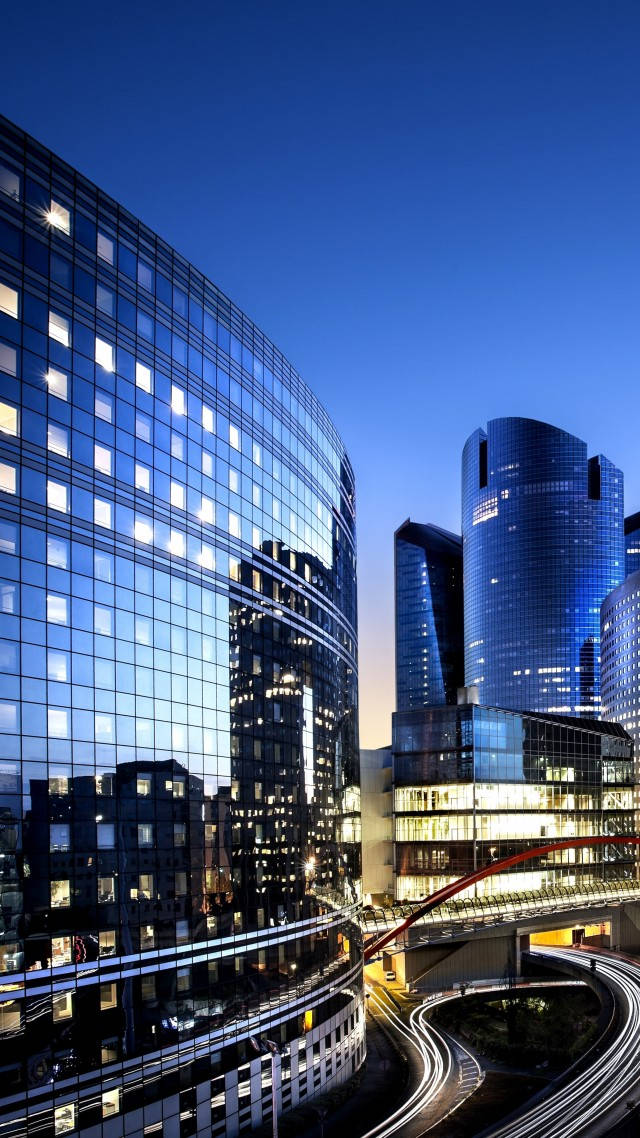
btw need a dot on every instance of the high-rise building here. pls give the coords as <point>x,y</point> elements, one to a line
<point>474,784</point>
<point>179,847</point>
<point>632,543</point>
<point>429,640</point>
<point>620,633</point>
<point>543,544</point>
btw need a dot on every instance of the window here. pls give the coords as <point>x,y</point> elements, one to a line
<point>60,328</point>
<point>176,543</point>
<point>108,1051</point>
<point>108,996</point>
<point>105,300</point>
<point>64,1118</point>
<point>177,446</point>
<point>179,833</point>
<point>257,454</point>
<point>10,1017</point>
<point>58,552</point>
<point>110,1102</point>
<point>103,406</point>
<point>57,383</point>
<point>144,889</point>
<point>102,513</point>
<point>104,785</point>
<point>105,248</point>
<point>107,943</point>
<point>145,276</point>
<point>143,786</point>
<point>8,599</point>
<point>56,608</point>
<point>102,620</point>
<point>8,300</point>
<point>106,890</point>
<point>59,838</point>
<point>207,464</point>
<point>143,377</point>
<point>142,478</point>
<point>233,481</point>
<point>105,354</point>
<point>105,835</point>
<point>58,784</point>
<point>177,495</point>
<point>103,566</point>
<point>143,630</point>
<point>9,183</point>
<point>8,478</point>
<point>177,787</point>
<point>8,419</point>
<point>207,559</point>
<point>234,436</point>
<point>208,421</point>
<point>177,400</point>
<point>8,359</point>
<point>143,531</point>
<point>148,987</point>
<point>147,937</point>
<point>145,834</point>
<point>57,666</point>
<point>143,427</point>
<point>57,496</point>
<point>234,525</point>
<point>58,439</point>
<point>206,511</point>
<point>62,1006</point>
<point>104,727</point>
<point>58,722</point>
<point>102,459</point>
<point>60,950</point>
<point>59,217</point>
<point>60,894</point>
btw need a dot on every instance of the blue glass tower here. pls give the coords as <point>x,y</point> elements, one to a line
<point>632,543</point>
<point>429,642</point>
<point>179,837</point>
<point>543,544</point>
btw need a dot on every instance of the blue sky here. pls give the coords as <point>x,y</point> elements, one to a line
<point>432,208</point>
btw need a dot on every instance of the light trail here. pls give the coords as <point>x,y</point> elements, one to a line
<point>595,1101</point>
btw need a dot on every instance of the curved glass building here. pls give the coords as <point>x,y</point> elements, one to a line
<point>620,632</point>
<point>179,837</point>
<point>429,642</point>
<point>543,544</point>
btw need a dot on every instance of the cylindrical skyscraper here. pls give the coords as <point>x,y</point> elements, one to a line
<point>543,544</point>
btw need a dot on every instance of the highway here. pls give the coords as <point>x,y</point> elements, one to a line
<point>595,1102</point>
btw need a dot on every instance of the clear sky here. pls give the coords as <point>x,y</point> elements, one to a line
<point>433,208</point>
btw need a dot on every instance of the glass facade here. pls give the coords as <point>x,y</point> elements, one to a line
<point>620,632</point>
<point>429,641</point>
<point>632,543</point>
<point>543,544</point>
<point>179,840</point>
<point>474,784</point>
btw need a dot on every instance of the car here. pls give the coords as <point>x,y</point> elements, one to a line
<point>389,975</point>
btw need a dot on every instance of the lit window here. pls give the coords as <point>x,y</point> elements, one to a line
<point>102,620</point>
<point>57,552</point>
<point>234,525</point>
<point>8,419</point>
<point>56,608</point>
<point>60,950</point>
<point>177,400</point>
<point>57,666</point>
<point>57,439</point>
<point>8,359</point>
<point>57,496</point>
<point>176,543</point>
<point>233,481</point>
<point>58,784</point>
<point>206,557</point>
<point>145,834</point>
<point>8,300</point>
<point>102,459</point>
<point>104,354</point>
<point>143,478</point>
<point>9,183</point>
<point>234,569</point>
<point>62,1006</point>
<point>177,446</point>
<point>60,328</point>
<point>105,248</point>
<point>57,383</point>
<point>177,495</point>
<point>234,436</point>
<point>143,377</point>
<point>207,418</point>
<point>58,722</point>
<point>59,217</point>
<point>207,464</point>
<point>7,478</point>
<point>257,454</point>
<point>107,943</point>
<point>143,531</point>
<point>206,511</point>
<point>143,786</point>
<point>108,996</point>
<point>110,1102</point>
<point>64,1118</point>
<point>60,894</point>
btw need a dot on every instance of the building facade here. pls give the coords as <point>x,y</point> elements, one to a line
<point>179,771</point>
<point>620,623</point>
<point>428,609</point>
<point>474,784</point>
<point>377,825</point>
<point>543,544</point>
<point>632,543</point>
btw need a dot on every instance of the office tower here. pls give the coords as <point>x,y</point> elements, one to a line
<point>474,784</point>
<point>632,543</point>
<point>620,632</point>
<point>180,829</point>
<point>429,641</point>
<point>543,544</point>
<point>377,825</point>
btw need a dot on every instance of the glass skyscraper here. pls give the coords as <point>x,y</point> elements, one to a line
<point>543,544</point>
<point>632,543</point>
<point>620,632</point>
<point>179,838</point>
<point>429,641</point>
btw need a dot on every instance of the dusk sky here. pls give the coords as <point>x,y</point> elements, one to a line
<point>433,209</point>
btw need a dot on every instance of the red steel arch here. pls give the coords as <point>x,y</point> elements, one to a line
<point>461,883</point>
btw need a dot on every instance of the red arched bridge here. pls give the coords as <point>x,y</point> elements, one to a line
<point>461,883</point>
